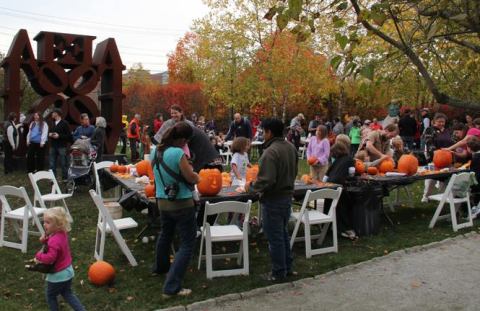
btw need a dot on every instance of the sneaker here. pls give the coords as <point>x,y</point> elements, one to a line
<point>271,278</point>
<point>475,211</point>
<point>184,292</point>
<point>292,273</point>
<point>424,199</point>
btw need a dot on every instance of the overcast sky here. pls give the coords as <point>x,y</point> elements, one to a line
<point>145,30</point>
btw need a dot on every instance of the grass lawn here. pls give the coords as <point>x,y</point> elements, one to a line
<point>135,289</point>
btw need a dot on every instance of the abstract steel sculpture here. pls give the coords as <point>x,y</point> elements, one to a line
<point>63,74</point>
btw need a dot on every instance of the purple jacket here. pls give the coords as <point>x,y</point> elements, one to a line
<point>58,251</point>
<point>319,149</point>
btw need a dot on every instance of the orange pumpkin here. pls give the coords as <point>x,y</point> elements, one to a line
<point>150,190</point>
<point>408,164</point>
<point>359,167</point>
<point>226,179</point>
<point>101,273</point>
<point>387,165</point>
<point>113,168</point>
<point>442,158</point>
<point>372,170</point>
<point>210,182</point>
<point>252,173</point>
<point>122,169</point>
<point>312,160</point>
<point>143,168</point>
<point>307,179</point>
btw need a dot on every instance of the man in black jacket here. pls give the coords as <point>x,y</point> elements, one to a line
<point>240,127</point>
<point>275,185</point>
<point>60,136</point>
<point>408,127</point>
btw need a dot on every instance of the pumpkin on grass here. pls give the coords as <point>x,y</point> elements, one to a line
<point>442,158</point>
<point>372,170</point>
<point>210,182</point>
<point>387,165</point>
<point>408,164</point>
<point>359,167</point>
<point>101,273</point>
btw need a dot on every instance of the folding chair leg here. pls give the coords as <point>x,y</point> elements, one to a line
<point>436,214</point>
<point>240,253</point>
<point>334,233</point>
<point>123,245</point>
<point>201,251</point>
<point>295,231</point>
<point>2,229</point>
<point>209,259</point>
<point>323,233</point>
<point>453,215</point>
<point>246,264</point>
<point>308,241</point>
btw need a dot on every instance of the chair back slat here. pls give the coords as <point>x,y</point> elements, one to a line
<point>97,167</point>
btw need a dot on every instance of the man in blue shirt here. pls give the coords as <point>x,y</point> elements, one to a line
<point>85,130</point>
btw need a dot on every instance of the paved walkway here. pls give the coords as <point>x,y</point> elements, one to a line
<point>439,276</point>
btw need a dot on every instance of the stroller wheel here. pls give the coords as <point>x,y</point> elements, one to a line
<point>70,186</point>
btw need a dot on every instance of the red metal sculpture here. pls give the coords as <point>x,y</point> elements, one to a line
<point>64,73</point>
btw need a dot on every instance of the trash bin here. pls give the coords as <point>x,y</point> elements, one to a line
<point>367,204</point>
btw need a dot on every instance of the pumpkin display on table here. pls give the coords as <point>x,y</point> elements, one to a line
<point>359,167</point>
<point>150,190</point>
<point>307,179</point>
<point>312,160</point>
<point>210,182</point>
<point>114,168</point>
<point>372,170</point>
<point>226,179</point>
<point>101,273</point>
<point>408,164</point>
<point>387,165</point>
<point>442,158</point>
<point>144,168</point>
<point>251,174</point>
<point>122,169</point>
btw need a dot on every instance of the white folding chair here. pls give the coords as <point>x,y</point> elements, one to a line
<point>301,151</point>
<point>456,193</point>
<point>22,214</point>
<point>225,233</point>
<point>309,217</point>
<point>52,197</point>
<point>227,155</point>
<point>110,202</point>
<point>106,225</point>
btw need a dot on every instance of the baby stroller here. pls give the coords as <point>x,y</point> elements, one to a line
<point>80,171</point>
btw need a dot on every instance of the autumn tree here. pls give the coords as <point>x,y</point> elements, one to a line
<point>439,39</point>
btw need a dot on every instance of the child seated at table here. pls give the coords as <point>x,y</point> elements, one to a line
<point>362,155</point>
<point>397,148</point>
<point>240,160</point>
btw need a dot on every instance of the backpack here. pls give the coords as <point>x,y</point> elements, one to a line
<point>133,128</point>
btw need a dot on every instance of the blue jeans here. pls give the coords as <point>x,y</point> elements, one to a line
<point>276,214</point>
<point>59,153</point>
<point>64,289</point>
<point>185,221</point>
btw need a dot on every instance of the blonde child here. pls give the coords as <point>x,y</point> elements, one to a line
<point>240,160</point>
<point>59,282</point>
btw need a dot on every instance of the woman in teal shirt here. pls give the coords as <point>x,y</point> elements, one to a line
<point>177,211</point>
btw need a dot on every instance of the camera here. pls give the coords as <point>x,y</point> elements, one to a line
<point>40,267</point>
<point>171,191</point>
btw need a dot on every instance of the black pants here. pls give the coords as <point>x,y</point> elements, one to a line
<point>8,162</point>
<point>123,138</point>
<point>344,212</point>
<point>133,149</point>
<point>35,157</point>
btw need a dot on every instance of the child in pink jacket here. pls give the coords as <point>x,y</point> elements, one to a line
<point>55,239</point>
